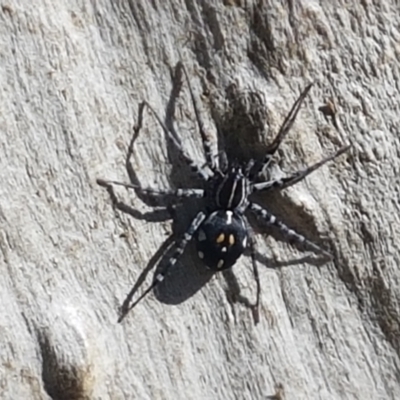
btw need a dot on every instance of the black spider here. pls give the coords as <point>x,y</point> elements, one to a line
<point>221,229</point>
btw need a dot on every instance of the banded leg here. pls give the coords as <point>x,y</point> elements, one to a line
<point>297,176</point>
<point>178,251</point>
<point>178,193</point>
<point>193,166</point>
<point>288,233</point>
<point>286,126</point>
<point>210,159</point>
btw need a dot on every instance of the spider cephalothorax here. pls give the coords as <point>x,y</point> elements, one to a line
<point>221,229</point>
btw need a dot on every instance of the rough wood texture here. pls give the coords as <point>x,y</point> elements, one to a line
<point>72,76</point>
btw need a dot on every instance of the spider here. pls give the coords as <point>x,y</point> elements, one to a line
<point>221,229</point>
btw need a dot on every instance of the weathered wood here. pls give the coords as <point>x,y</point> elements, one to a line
<point>72,76</point>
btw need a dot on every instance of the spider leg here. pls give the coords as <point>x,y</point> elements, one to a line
<point>193,166</point>
<point>290,234</point>
<point>178,193</point>
<point>286,126</point>
<point>178,251</point>
<point>210,159</point>
<point>297,176</point>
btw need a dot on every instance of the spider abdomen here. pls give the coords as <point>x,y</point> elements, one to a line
<point>221,239</point>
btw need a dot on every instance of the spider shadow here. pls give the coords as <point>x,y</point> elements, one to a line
<point>239,131</point>
<point>180,173</point>
<point>189,275</point>
<point>161,214</point>
<point>182,281</point>
<point>185,278</point>
<point>233,291</point>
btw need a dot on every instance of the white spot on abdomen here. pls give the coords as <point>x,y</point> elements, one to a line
<point>229,215</point>
<point>201,236</point>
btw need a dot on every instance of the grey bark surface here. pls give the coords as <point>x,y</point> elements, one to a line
<point>72,76</point>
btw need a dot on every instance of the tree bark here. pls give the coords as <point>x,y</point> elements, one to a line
<point>73,75</point>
